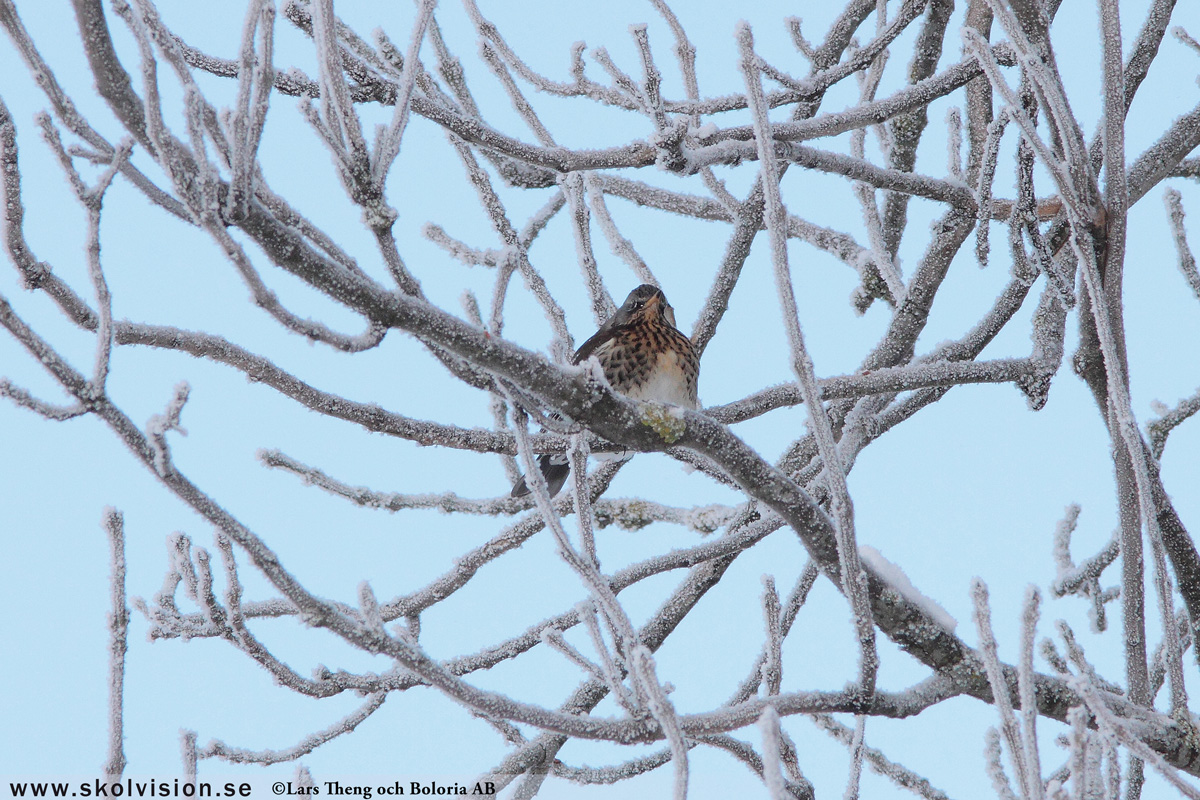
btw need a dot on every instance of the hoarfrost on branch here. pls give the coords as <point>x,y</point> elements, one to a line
<point>200,136</point>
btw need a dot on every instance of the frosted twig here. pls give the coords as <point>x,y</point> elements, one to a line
<point>1024,215</point>
<point>118,624</point>
<point>897,773</point>
<point>369,415</point>
<point>93,199</point>
<point>799,788</point>
<point>379,218</point>
<point>853,579</point>
<point>1187,168</point>
<point>509,732</point>
<point>852,167</point>
<point>1159,662</point>
<point>1025,690</point>
<point>24,399</point>
<point>838,244</point>
<point>387,146</point>
<point>578,457</point>
<point>187,748</point>
<point>1116,189</point>
<point>214,613</point>
<point>553,638</point>
<point>651,77</point>
<point>909,98</point>
<point>772,667</point>
<point>1158,429</point>
<point>1187,262</point>
<point>983,54</point>
<point>237,755</point>
<point>509,236</point>
<point>603,306</point>
<point>581,87</point>
<point>337,110</point>
<point>614,774</point>
<point>791,609</point>
<point>255,72</point>
<point>447,502</point>
<point>268,301</point>
<point>159,424</point>
<point>737,250</point>
<point>53,139</point>
<point>519,101</point>
<point>856,758</point>
<point>995,766</point>
<point>34,274</point>
<point>906,131</point>
<point>637,657</point>
<point>1084,579</point>
<point>231,623</point>
<point>622,82</point>
<point>1170,631</point>
<point>470,562</point>
<point>200,118</point>
<point>304,778</point>
<point>621,247</point>
<point>1077,718</point>
<point>1002,700</point>
<point>987,177</point>
<point>179,556</point>
<point>954,144</point>
<point>802,45</point>
<point>156,137</point>
<point>883,261</point>
<point>772,744</point>
<point>289,216</point>
<point>541,218</point>
<point>1076,185</point>
<point>1119,729</point>
<point>587,696</point>
<point>685,52</point>
<point>1070,577</point>
<point>723,548</point>
<point>1181,34</point>
<point>635,514</point>
<point>507,259</point>
<point>642,668</point>
<point>1031,41</point>
<point>64,108</point>
<point>451,71</point>
<point>629,698</point>
<point>460,250</point>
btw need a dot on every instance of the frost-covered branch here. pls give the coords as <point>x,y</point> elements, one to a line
<point>118,622</point>
<point>616,138</point>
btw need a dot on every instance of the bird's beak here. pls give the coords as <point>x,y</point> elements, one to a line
<point>659,303</point>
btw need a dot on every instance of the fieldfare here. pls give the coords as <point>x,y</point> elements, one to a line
<point>643,355</point>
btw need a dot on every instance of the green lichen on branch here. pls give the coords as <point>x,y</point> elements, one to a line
<point>664,421</point>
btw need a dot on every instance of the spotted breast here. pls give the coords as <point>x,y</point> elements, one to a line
<point>643,355</point>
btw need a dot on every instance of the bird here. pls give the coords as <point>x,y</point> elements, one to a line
<point>644,357</point>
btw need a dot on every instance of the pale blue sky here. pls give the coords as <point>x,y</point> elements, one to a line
<point>970,487</point>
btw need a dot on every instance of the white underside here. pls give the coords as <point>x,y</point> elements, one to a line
<point>667,384</point>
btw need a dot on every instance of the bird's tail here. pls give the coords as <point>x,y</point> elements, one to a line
<point>554,469</point>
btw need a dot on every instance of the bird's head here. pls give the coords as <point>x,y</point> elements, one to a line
<point>646,303</point>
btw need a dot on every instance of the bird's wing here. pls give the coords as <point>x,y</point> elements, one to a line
<point>607,331</point>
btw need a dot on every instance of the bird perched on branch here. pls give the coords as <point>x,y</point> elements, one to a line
<point>643,355</point>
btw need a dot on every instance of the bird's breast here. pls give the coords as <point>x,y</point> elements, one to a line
<point>651,363</point>
<point>667,381</point>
